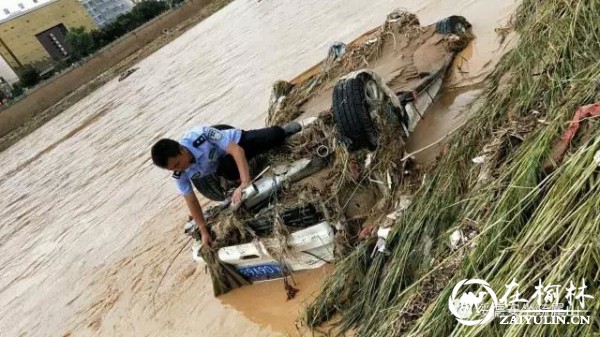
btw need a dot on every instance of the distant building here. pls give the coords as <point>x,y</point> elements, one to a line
<point>106,11</point>
<point>37,36</point>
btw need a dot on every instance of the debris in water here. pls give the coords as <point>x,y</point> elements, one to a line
<point>371,41</point>
<point>362,180</point>
<point>127,73</point>
<point>336,50</point>
<point>289,290</point>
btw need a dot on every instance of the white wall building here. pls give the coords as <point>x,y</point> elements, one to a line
<point>7,73</point>
<point>12,7</point>
<point>105,11</point>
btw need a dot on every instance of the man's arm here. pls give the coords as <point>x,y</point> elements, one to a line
<point>196,210</point>
<point>238,154</point>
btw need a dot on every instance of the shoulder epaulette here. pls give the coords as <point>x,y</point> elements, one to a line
<point>199,141</point>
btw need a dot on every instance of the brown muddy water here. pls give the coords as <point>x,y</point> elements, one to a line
<point>88,225</point>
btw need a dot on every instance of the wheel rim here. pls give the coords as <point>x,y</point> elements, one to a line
<point>375,98</point>
<point>373,95</point>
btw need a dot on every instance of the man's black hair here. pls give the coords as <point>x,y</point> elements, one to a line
<point>163,150</point>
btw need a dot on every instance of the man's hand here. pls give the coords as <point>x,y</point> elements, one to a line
<point>206,240</point>
<point>236,198</point>
<point>239,155</point>
<point>196,211</point>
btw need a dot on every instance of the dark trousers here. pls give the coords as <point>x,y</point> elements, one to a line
<point>254,142</point>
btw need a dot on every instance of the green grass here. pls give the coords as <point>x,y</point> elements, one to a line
<point>532,224</point>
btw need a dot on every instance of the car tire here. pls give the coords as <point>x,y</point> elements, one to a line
<point>452,25</point>
<point>352,108</point>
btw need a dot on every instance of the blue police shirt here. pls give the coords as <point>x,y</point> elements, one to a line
<point>207,145</point>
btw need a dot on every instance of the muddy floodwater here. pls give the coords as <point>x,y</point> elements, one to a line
<point>88,225</point>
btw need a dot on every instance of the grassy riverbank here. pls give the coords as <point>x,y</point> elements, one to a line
<point>531,218</point>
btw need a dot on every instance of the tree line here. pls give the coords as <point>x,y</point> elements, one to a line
<point>84,43</point>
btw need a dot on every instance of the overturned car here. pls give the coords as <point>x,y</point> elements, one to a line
<point>347,169</point>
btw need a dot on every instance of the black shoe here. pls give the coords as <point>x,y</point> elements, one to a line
<point>292,128</point>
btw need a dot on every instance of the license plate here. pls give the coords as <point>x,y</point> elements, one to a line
<point>261,272</point>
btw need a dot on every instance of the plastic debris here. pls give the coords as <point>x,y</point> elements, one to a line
<point>382,234</point>
<point>308,121</point>
<point>371,41</point>
<point>404,202</point>
<point>336,50</point>
<point>127,73</point>
<point>457,239</point>
<point>401,17</point>
<point>560,147</point>
<point>368,160</point>
<point>478,160</point>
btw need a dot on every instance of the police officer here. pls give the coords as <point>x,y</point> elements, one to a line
<point>225,151</point>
